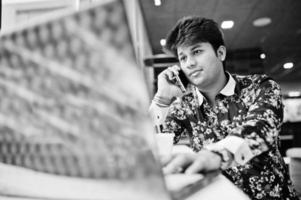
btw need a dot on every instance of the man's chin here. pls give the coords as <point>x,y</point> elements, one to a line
<point>196,82</point>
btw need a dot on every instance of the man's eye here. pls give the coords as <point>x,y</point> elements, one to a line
<point>198,51</point>
<point>183,58</point>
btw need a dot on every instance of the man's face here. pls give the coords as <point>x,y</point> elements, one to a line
<point>201,64</point>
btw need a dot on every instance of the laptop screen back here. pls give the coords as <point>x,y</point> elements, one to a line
<point>74,103</point>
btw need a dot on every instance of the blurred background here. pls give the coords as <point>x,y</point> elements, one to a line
<point>261,37</point>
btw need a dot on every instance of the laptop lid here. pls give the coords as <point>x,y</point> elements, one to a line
<point>73,110</point>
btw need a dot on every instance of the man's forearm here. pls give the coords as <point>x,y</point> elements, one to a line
<point>158,113</point>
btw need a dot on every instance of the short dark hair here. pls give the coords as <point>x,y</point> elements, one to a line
<point>192,29</point>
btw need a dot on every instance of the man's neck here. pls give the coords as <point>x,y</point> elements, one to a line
<point>215,89</point>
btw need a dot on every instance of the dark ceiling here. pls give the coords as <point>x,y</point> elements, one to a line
<point>280,40</point>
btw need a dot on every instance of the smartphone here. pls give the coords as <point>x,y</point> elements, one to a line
<point>182,81</point>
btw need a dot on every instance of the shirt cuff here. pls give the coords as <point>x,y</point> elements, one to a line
<point>237,146</point>
<point>157,113</point>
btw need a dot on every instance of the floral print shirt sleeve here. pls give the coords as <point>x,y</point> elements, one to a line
<point>254,113</point>
<point>261,124</point>
<point>178,120</point>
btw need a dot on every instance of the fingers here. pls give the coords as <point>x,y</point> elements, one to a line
<point>167,83</point>
<point>191,163</point>
<point>179,163</point>
<point>197,166</point>
<point>164,160</point>
<point>171,72</point>
<point>205,161</point>
<point>175,69</point>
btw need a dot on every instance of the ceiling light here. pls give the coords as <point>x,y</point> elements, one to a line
<point>77,4</point>
<point>262,56</point>
<point>263,21</point>
<point>157,2</point>
<point>294,94</point>
<point>288,65</point>
<point>227,24</point>
<point>163,42</point>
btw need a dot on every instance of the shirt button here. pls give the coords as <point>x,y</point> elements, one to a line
<point>242,157</point>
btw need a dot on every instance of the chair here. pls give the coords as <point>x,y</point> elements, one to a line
<point>295,167</point>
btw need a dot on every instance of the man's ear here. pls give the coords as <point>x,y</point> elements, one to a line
<point>221,52</point>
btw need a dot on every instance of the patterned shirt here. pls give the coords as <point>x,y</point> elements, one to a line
<point>253,113</point>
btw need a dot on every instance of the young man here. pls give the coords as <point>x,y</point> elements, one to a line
<point>232,121</point>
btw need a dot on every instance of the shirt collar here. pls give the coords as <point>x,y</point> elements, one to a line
<point>228,90</point>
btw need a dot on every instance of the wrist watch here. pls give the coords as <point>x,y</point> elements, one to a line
<point>226,158</point>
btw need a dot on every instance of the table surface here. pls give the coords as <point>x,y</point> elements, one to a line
<point>219,188</point>
<point>209,186</point>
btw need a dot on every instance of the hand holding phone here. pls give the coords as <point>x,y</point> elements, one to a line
<point>182,81</point>
<point>172,82</point>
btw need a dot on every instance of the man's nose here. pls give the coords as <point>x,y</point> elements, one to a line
<point>191,62</point>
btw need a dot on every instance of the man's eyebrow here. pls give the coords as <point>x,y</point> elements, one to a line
<point>191,48</point>
<point>196,46</point>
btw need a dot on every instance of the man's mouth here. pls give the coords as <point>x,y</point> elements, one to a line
<point>195,73</point>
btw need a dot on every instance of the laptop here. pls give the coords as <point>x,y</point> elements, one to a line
<point>73,112</point>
